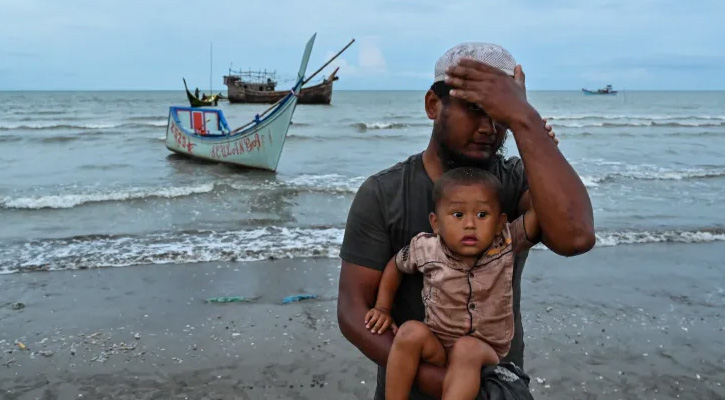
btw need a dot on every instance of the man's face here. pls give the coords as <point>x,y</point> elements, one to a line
<point>465,135</point>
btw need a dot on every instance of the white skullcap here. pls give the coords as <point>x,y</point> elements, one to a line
<point>491,54</point>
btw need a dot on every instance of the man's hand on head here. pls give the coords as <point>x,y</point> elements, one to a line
<point>500,96</point>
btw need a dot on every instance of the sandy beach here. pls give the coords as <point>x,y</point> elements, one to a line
<point>621,322</point>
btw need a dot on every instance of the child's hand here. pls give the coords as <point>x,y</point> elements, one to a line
<point>378,320</point>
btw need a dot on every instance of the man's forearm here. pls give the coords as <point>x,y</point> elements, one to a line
<point>377,347</point>
<point>351,318</point>
<point>559,197</point>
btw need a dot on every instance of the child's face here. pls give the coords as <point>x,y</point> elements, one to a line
<point>468,218</point>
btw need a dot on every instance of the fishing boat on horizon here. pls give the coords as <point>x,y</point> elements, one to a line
<point>606,90</point>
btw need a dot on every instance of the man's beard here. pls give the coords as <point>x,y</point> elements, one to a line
<point>451,159</point>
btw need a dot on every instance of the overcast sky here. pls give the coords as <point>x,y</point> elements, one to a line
<point>562,44</point>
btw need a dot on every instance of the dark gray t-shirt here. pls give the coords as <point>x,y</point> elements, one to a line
<point>391,207</point>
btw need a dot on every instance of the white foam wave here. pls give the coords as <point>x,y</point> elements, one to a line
<point>330,183</point>
<point>650,173</point>
<point>606,239</point>
<point>364,126</point>
<point>74,200</point>
<point>655,117</point>
<point>57,126</point>
<point>589,181</point>
<point>247,245</point>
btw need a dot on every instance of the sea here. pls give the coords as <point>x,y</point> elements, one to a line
<point>87,182</point>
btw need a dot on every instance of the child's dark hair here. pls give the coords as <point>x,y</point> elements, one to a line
<point>466,176</point>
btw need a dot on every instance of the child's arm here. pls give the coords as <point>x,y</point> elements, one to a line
<point>378,319</point>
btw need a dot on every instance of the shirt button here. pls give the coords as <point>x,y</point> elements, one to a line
<point>472,306</point>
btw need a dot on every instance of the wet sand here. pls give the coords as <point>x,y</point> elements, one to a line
<point>623,322</point>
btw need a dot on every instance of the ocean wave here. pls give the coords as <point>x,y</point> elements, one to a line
<point>659,134</point>
<point>576,117</point>
<point>371,126</point>
<point>633,124</point>
<point>84,126</point>
<point>652,174</point>
<point>365,126</point>
<point>55,126</point>
<point>607,239</point>
<point>266,243</point>
<point>76,199</point>
<point>330,183</point>
<point>357,136</point>
<point>163,248</point>
<point>147,118</point>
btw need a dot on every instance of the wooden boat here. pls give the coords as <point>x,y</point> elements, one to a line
<point>204,132</point>
<point>607,90</point>
<point>212,100</point>
<point>248,87</point>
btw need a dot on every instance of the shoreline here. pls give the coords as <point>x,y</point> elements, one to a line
<point>639,321</point>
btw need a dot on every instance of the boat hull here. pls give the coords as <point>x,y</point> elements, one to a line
<point>260,146</point>
<point>594,92</point>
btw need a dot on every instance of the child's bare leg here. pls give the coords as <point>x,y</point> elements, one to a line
<point>466,359</point>
<point>413,342</point>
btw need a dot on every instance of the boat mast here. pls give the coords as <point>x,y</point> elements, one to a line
<point>211,60</point>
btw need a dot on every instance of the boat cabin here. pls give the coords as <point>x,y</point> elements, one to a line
<point>261,81</point>
<point>201,121</point>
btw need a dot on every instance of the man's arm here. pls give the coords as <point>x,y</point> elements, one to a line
<point>560,198</point>
<point>357,292</point>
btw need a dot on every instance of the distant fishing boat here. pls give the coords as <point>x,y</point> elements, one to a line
<point>607,90</point>
<point>204,132</point>
<point>259,87</point>
<point>206,101</point>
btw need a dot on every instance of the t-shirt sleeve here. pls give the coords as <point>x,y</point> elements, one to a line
<point>519,241</point>
<point>407,258</point>
<point>515,184</point>
<point>367,241</point>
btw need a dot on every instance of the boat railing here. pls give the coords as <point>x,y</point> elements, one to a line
<point>259,76</point>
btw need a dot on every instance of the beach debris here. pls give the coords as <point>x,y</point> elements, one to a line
<point>17,306</point>
<point>9,362</point>
<point>46,353</point>
<point>136,336</point>
<point>101,357</point>
<point>230,299</point>
<point>298,297</point>
<point>21,345</point>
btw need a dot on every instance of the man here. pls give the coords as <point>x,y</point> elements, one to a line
<point>478,94</point>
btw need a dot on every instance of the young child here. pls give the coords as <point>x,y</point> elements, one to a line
<point>467,266</point>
